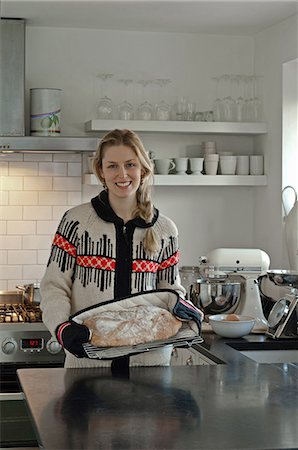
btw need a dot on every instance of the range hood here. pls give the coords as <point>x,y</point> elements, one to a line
<point>34,144</point>
<point>12,100</point>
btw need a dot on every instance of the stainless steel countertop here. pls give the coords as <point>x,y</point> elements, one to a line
<point>236,405</point>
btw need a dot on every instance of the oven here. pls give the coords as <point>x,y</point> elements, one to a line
<point>25,342</point>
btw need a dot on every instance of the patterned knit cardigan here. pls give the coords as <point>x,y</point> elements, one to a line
<point>95,257</point>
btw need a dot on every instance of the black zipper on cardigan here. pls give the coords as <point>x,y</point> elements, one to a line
<point>123,271</point>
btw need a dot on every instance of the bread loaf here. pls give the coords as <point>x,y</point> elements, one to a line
<point>131,326</point>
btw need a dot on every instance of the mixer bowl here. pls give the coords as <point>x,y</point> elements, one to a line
<point>216,297</point>
<point>284,277</point>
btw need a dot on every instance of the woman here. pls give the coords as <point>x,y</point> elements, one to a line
<point>116,245</point>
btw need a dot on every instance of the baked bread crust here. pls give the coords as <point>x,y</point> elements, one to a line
<point>132,326</point>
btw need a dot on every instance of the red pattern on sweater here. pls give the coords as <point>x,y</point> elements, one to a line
<point>106,263</point>
<point>61,242</point>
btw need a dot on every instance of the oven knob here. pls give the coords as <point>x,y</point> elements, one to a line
<point>9,346</point>
<point>53,347</point>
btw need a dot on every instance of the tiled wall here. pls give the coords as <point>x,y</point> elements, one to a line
<point>35,191</point>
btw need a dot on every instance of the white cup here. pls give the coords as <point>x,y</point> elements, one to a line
<point>209,151</point>
<point>196,165</point>
<point>242,166</point>
<point>227,165</point>
<point>210,167</point>
<point>256,164</point>
<point>208,144</point>
<point>181,165</point>
<point>211,157</point>
<point>163,166</point>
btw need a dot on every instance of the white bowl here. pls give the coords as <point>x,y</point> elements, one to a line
<point>231,328</point>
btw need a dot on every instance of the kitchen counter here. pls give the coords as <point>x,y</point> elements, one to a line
<point>237,404</point>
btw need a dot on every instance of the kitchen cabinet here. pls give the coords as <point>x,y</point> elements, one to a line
<point>190,357</point>
<point>186,127</point>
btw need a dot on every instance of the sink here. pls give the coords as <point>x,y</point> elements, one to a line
<point>268,351</point>
<point>272,356</point>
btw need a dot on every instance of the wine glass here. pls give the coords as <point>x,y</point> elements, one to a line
<point>256,100</point>
<point>239,98</point>
<point>105,104</point>
<point>217,105</point>
<point>162,108</point>
<point>145,109</point>
<point>125,108</point>
<point>228,101</point>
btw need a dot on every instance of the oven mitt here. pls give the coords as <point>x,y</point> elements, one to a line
<point>186,311</point>
<point>71,336</point>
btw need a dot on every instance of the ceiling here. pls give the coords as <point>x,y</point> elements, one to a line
<point>213,17</point>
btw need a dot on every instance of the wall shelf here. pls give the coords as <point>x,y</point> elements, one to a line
<point>155,126</point>
<point>197,180</point>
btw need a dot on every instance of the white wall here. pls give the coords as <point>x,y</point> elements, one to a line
<point>33,196</point>
<point>273,47</point>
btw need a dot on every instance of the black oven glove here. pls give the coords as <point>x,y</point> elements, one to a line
<point>71,336</point>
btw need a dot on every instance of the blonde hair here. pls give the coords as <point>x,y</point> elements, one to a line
<point>145,208</point>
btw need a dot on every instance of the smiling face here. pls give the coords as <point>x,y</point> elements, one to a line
<point>121,170</point>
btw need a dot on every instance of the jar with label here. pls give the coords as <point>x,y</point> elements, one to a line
<point>189,276</point>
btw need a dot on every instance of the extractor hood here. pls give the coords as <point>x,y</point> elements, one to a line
<point>12,100</point>
<point>34,144</point>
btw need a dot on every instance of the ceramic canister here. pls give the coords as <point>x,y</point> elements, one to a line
<point>45,112</point>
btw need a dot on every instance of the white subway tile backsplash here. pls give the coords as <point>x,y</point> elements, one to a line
<point>3,197</point>
<point>4,285</point>
<point>42,157</point>
<point>23,168</point>
<point>67,183</point>
<point>74,169</point>
<point>11,183</point>
<point>10,242</point>
<point>47,226</point>
<point>67,157</point>
<point>21,227</point>
<point>3,227</point>
<point>23,257</point>
<point>3,168</point>
<point>3,257</point>
<point>38,183</point>
<point>35,191</point>
<point>23,198</point>
<point>13,157</point>
<point>74,198</point>
<point>10,272</point>
<point>37,212</point>
<point>37,242</point>
<point>52,169</point>
<point>11,212</point>
<point>52,198</point>
<point>34,272</point>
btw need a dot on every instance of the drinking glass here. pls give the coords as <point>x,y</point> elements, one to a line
<point>145,109</point>
<point>105,104</point>
<point>162,108</point>
<point>125,108</point>
<point>239,98</point>
<point>256,102</point>
<point>217,105</point>
<point>228,101</point>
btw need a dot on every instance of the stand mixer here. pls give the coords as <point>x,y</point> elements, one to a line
<point>248,264</point>
<point>283,318</point>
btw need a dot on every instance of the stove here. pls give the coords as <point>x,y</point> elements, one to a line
<point>23,336</point>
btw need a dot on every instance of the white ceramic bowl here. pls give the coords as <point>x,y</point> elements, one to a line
<point>231,328</point>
